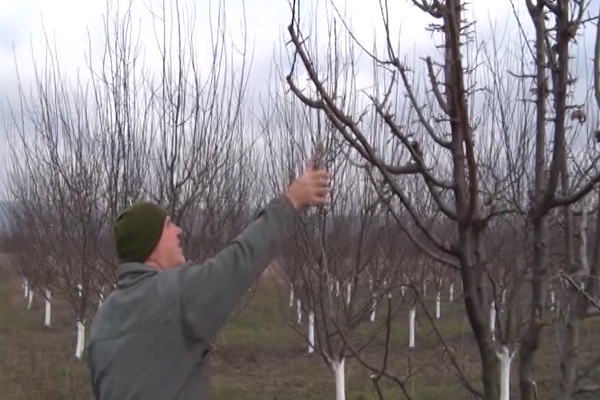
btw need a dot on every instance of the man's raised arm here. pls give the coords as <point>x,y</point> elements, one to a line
<point>210,291</point>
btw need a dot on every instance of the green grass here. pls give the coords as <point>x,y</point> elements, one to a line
<point>258,355</point>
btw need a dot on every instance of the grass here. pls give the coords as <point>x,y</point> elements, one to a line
<point>258,355</point>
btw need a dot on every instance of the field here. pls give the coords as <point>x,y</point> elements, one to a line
<point>258,355</point>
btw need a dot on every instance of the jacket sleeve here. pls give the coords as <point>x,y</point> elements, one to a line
<point>209,292</point>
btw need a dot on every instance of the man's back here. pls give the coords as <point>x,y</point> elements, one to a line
<point>138,348</point>
<point>151,337</point>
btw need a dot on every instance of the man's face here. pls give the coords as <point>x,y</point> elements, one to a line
<point>168,253</point>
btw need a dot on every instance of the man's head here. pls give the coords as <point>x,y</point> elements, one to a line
<point>145,234</point>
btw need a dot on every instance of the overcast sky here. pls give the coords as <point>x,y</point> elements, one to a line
<point>69,22</point>
<point>74,24</point>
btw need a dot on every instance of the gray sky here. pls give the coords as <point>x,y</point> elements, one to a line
<point>69,22</point>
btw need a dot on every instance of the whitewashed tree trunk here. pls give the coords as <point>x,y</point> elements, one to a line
<point>373,308</point>
<point>311,332</point>
<point>373,301</point>
<point>504,297</point>
<point>340,379</point>
<point>80,339</point>
<point>438,306</point>
<point>30,300</point>
<point>506,359</point>
<point>48,310</point>
<point>298,310</point>
<point>424,289</point>
<point>26,288</point>
<point>411,327</point>
<point>451,292</point>
<point>337,288</point>
<point>493,320</point>
<point>386,288</point>
<point>348,294</point>
<point>292,297</point>
<point>79,289</point>
<point>101,297</point>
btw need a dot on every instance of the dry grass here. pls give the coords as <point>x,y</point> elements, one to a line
<point>258,356</point>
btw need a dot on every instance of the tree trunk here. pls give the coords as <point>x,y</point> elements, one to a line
<point>411,328</point>
<point>311,332</point>
<point>30,300</point>
<point>490,373</point>
<point>80,345</point>
<point>568,363</point>
<point>530,340</point>
<point>48,309</point>
<point>506,358</point>
<point>340,379</point>
<point>298,311</point>
<point>493,320</point>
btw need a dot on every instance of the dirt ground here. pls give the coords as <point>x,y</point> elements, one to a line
<point>258,355</point>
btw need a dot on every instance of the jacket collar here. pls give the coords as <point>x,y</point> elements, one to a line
<point>131,273</point>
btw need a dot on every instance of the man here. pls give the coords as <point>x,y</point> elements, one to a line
<point>151,338</point>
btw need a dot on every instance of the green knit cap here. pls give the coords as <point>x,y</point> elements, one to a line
<point>137,231</point>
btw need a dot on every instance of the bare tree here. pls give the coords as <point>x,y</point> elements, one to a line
<point>469,179</point>
<point>58,145</point>
<point>335,265</point>
<point>84,149</point>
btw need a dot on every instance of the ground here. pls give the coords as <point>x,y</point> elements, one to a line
<point>258,355</point>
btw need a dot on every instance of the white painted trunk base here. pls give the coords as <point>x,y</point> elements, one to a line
<point>30,300</point>
<point>411,327</point>
<point>311,332</point>
<point>506,359</point>
<point>373,308</point>
<point>48,309</point>
<point>451,292</point>
<point>493,320</point>
<point>348,293</point>
<point>80,339</point>
<point>298,310</point>
<point>26,288</point>
<point>292,297</point>
<point>438,306</point>
<point>340,379</point>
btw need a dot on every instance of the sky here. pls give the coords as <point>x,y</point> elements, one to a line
<point>74,25</point>
<point>75,28</point>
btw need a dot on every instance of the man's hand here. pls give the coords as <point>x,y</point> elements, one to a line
<point>310,189</point>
